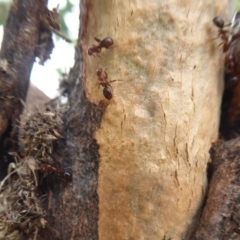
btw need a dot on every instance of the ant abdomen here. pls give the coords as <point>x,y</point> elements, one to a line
<point>106,42</point>
<point>107,93</point>
<point>218,21</point>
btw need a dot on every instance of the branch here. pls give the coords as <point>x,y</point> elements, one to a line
<point>17,55</point>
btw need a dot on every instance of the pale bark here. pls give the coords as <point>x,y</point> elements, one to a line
<point>157,130</point>
<point>144,174</point>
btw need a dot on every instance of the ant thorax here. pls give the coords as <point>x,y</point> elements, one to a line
<point>105,43</point>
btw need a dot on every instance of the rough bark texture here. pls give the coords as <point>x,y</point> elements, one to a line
<point>158,128</point>
<point>154,134</point>
<point>218,220</point>
<point>72,212</point>
<point>17,55</point>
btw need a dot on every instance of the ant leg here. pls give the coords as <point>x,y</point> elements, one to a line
<point>98,85</point>
<point>115,80</point>
<point>96,55</point>
<point>112,47</point>
<point>221,44</point>
<point>106,76</point>
<point>98,40</point>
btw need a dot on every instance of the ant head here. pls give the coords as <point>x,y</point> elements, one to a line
<point>99,71</point>
<point>218,21</point>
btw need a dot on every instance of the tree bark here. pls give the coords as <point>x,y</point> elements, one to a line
<point>156,133</point>
<point>139,160</point>
<point>17,55</point>
<point>220,216</point>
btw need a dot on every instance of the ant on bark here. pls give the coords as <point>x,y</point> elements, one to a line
<point>228,35</point>
<point>105,43</point>
<point>231,46</point>
<point>51,169</point>
<point>223,34</point>
<point>103,81</point>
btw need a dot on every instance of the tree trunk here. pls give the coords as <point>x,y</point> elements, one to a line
<point>151,140</point>
<point>17,55</point>
<point>139,160</point>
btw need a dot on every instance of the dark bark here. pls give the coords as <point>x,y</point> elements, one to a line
<point>72,212</point>
<point>223,201</point>
<point>220,217</point>
<point>71,209</point>
<point>17,55</point>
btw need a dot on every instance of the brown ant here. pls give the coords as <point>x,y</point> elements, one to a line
<point>223,34</point>
<point>231,46</point>
<point>105,43</point>
<point>51,169</point>
<point>218,21</point>
<point>102,77</point>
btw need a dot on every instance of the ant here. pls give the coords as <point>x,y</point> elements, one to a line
<point>51,169</point>
<point>218,21</point>
<point>231,46</point>
<point>105,43</point>
<point>102,77</point>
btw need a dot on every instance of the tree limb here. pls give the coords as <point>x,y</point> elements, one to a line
<point>20,46</point>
